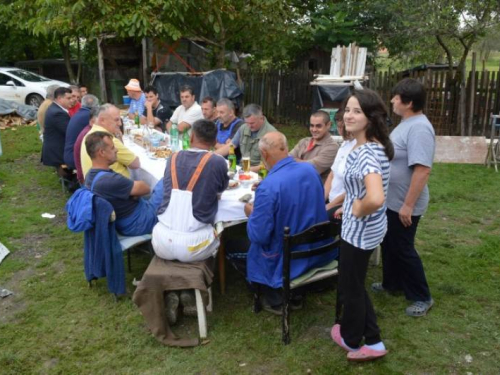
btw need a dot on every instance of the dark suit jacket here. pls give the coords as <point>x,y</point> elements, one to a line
<point>56,123</point>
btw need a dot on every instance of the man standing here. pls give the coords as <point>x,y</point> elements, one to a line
<point>320,149</point>
<point>155,113</point>
<point>137,98</point>
<point>42,110</point>
<point>407,198</point>
<point>290,196</point>
<point>227,124</point>
<point>249,134</point>
<point>108,120</point>
<point>83,90</point>
<point>135,215</point>
<point>56,123</point>
<point>79,121</point>
<point>209,109</point>
<point>75,100</point>
<point>187,113</point>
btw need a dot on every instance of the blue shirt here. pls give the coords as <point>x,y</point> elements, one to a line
<point>137,105</point>
<point>290,196</point>
<point>80,120</point>
<point>366,232</point>
<point>223,134</point>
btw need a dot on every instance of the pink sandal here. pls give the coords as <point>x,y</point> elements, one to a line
<point>365,354</point>
<point>337,338</point>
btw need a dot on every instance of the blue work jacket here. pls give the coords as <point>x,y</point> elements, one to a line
<point>290,196</point>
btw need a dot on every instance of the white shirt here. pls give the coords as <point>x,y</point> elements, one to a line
<point>190,115</point>
<point>338,169</point>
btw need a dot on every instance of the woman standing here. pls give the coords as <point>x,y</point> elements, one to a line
<point>364,223</point>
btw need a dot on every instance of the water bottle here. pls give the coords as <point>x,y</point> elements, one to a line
<point>185,141</point>
<point>174,137</point>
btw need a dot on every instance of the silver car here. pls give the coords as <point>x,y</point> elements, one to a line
<point>25,87</point>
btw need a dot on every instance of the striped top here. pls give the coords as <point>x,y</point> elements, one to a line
<point>366,232</point>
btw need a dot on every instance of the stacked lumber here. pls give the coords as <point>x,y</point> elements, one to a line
<point>348,61</point>
<point>13,120</point>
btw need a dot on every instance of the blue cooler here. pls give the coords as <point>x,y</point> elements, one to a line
<point>126,99</point>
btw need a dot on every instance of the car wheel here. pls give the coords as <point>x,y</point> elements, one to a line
<point>34,100</point>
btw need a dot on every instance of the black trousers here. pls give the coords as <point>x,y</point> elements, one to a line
<point>402,267</point>
<point>358,316</point>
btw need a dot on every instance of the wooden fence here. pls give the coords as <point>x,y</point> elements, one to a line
<point>286,98</point>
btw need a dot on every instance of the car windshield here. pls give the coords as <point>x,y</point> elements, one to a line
<point>28,76</point>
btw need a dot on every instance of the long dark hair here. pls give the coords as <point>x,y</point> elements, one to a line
<point>376,112</point>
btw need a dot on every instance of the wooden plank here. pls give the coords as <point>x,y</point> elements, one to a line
<point>486,114</point>
<point>472,94</point>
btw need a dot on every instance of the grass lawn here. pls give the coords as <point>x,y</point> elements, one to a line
<point>55,324</point>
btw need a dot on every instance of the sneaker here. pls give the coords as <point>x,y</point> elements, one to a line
<point>172,307</point>
<point>419,308</point>
<point>365,354</point>
<point>188,302</point>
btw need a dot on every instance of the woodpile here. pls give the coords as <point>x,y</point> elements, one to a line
<point>13,120</point>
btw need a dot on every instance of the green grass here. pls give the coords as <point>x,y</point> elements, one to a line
<point>55,324</point>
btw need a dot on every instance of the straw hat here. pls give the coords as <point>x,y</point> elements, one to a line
<point>133,85</point>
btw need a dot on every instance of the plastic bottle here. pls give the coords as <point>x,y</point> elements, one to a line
<point>232,158</point>
<point>185,141</point>
<point>174,137</point>
<point>137,120</point>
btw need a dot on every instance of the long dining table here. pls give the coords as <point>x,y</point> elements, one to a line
<point>230,210</point>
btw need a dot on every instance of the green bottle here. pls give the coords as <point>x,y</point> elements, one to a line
<point>137,120</point>
<point>185,140</point>
<point>232,158</point>
<point>262,171</point>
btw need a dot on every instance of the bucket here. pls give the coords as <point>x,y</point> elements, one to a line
<point>126,99</point>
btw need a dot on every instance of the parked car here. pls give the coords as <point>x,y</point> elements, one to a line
<point>25,87</point>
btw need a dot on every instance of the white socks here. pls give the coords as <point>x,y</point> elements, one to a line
<point>378,346</point>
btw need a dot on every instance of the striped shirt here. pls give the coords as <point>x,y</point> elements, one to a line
<point>366,232</point>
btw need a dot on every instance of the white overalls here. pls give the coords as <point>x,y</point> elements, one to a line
<point>178,235</point>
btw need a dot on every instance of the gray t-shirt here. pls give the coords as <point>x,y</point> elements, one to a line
<point>414,143</point>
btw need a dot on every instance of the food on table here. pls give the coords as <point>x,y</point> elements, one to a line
<point>233,184</point>
<point>166,153</point>
<point>244,177</point>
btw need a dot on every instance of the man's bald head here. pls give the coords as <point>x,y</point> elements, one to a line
<point>273,148</point>
<point>109,118</point>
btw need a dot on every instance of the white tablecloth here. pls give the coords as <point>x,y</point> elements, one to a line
<point>152,170</point>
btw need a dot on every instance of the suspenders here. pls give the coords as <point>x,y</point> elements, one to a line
<point>194,177</point>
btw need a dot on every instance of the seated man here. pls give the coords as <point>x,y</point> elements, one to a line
<point>227,124</point>
<point>109,121</point>
<point>209,109</point>
<point>155,113</point>
<point>187,113</point>
<point>193,181</point>
<point>248,135</point>
<point>75,126</point>
<point>135,215</point>
<point>137,98</point>
<point>319,149</point>
<point>290,196</point>
<point>79,143</point>
<point>75,100</point>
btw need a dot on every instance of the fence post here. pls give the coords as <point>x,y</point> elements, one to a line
<point>472,93</point>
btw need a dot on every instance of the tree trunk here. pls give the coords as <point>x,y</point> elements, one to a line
<point>67,61</point>
<point>79,58</point>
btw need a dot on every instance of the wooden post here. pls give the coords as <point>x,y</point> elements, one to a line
<point>462,103</point>
<point>472,94</point>
<point>102,80</point>
<point>145,64</point>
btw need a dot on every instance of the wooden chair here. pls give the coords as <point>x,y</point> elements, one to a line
<point>318,233</point>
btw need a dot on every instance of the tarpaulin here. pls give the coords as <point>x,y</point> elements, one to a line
<point>329,93</point>
<point>217,84</point>
<point>26,111</point>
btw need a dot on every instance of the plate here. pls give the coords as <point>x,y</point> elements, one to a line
<point>233,185</point>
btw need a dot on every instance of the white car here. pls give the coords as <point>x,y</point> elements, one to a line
<point>25,87</point>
